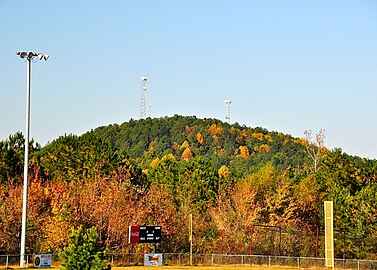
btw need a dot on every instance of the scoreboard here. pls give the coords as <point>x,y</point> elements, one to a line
<point>144,234</point>
<point>150,234</point>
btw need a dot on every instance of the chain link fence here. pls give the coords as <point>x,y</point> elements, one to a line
<point>134,259</point>
<point>252,260</point>
<point>13,261</point>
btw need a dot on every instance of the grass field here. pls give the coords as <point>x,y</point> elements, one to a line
<point>229,267</point>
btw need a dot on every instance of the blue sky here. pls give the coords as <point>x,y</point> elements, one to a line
<point>287,66</point>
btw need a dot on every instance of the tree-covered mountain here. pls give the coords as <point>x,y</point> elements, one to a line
<point>233,179</point>
<point>242,149</point>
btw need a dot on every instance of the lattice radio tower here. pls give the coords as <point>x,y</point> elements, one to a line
<point>144,112</point>
<point>228,102</point>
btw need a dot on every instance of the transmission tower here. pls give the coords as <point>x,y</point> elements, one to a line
<point>227,102</point>
<point>144,98</point>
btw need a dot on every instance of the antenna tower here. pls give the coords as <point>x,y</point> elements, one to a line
<point>144,98</point>
<point>228,102</point>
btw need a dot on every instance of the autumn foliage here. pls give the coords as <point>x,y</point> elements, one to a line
<point>239,183</point>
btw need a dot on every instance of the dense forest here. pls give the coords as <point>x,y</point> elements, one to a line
<point>239,183</point>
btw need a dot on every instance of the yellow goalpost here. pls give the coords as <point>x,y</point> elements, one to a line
<point>329,235</point>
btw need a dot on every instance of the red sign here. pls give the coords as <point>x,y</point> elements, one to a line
<point>133,234</point>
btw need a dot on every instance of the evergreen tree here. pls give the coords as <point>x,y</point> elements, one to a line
<point>84,252</point>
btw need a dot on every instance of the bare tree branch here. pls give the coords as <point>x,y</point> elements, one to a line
<point>315,148</point>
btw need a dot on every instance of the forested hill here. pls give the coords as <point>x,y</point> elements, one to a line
<point>242,149</point>
<point>158,171</point>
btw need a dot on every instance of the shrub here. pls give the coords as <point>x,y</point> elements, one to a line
<point>84,252</point>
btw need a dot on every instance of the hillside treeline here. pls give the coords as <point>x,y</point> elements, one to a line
<point>244,186</point>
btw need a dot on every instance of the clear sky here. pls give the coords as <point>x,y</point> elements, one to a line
<point>288,65</point>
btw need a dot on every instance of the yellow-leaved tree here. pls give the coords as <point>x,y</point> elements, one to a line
<point>200,138</point>
<point>214,129</point>
<point>224,171</point>
<point>155,162</point>
<point>185,144</point>
<point>244,152</point>
<point>187,154</point>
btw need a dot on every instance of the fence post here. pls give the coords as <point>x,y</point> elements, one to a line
<point>358,264</point>
<point>242,259</point>
<point>7,262</point>
<point>298,262</point>
<point>212,259</point>
<point>269,261</point>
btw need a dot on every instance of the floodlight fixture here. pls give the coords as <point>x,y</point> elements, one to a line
<point>32,55</point>
<point>22,54</point>
<point>29,57</point>
<point>42,56</point>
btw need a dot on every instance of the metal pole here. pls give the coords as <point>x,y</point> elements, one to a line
<point>344,245</point>
<point>316,243</point>
<point>26,165</point>
<point>279,241</point>
<point>190,222</point>
<point>251,239</point>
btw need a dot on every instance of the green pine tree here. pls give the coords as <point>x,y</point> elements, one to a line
<point>84,252</point>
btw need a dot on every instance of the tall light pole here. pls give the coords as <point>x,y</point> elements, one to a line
<point>228,102</point>
<point>144,99</point>
<point>29,57</point>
